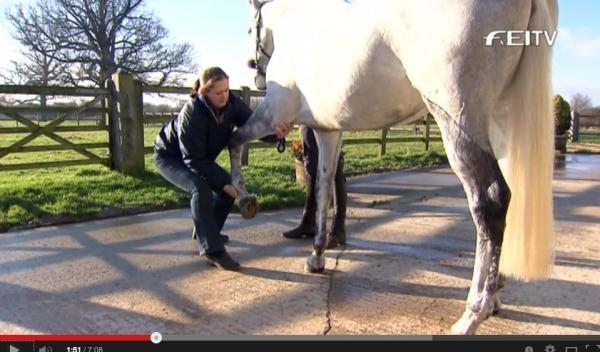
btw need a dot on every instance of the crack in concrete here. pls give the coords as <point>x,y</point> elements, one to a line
<point>328,326</point>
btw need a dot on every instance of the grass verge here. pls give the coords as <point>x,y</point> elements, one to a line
<point>59,195</point>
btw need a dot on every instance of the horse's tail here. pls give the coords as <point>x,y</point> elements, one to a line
<point>527,250</point>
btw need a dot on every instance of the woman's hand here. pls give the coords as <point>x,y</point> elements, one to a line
<point>231,191</point>
<point>282,129</point>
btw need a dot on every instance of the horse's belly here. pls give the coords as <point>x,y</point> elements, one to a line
<point>389,102</point>
<point>393,103</point>
<point>371,91</point>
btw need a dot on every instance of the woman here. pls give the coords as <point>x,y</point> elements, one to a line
<point>185,153</point>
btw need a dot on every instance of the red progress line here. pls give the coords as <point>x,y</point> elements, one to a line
<point>68,338</point>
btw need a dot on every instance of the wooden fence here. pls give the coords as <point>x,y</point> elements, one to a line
<point>35,130</point>
<point>247,94</point>
<point>119,107</point>
<point>588,123</point>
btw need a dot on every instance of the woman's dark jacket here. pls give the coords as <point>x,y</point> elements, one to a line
<point>199,133</point>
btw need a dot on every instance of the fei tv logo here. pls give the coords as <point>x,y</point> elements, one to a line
<point>519,38</point>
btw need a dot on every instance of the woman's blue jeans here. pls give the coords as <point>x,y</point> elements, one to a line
<point>209,208</point>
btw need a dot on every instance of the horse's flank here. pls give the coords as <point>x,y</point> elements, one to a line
<point>362,78</point>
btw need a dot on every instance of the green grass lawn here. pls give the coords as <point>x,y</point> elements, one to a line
<point>42,196</point>
<point>589,136</point>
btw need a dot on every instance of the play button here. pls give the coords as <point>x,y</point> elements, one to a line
<point>16,346</point>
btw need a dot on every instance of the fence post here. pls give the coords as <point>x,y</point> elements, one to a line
<point>246,97</point>
<point>126,129</point>
<point>426,138</point>
<point>383,142</point>
<point>574,132</point>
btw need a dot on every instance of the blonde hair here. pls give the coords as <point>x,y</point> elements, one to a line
<point>207,79</point>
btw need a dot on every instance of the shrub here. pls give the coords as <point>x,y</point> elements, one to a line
<point>562,115</point>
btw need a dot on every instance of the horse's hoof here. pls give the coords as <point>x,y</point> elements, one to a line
<point>456,330</point>
<point>248,207</point>
<point>466,325</point>
<point>310,269</point>
<point>314,264</point>
<point>460,329</point>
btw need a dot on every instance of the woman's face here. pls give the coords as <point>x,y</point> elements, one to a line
<point>218,94</point>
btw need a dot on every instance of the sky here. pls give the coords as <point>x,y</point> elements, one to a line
<point>217,29</point>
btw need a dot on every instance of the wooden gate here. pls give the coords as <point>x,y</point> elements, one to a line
<point>34,129</point>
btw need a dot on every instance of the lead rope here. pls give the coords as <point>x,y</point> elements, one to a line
<point>281,145</point>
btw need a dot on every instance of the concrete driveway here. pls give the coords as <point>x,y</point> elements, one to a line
<point>405,270</point>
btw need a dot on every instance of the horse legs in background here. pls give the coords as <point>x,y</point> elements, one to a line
<point>499,286</point>
<point>329,143</point>
<point>488,197</point>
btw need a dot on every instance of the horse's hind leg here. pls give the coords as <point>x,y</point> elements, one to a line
<point>488,197</point>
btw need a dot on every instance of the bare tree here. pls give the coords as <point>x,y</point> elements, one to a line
<point>98,37</point>
<point>580,102</point>
<point>37,69</point>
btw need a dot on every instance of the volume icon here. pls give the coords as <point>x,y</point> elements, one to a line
<point>45,349</point>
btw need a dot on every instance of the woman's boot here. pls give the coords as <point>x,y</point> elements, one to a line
<point>337,235</point>
<point>308,224</point>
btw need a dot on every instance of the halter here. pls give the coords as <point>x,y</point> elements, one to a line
<point>259,48</point>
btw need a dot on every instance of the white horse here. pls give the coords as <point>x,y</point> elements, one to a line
<point>373,64</point>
